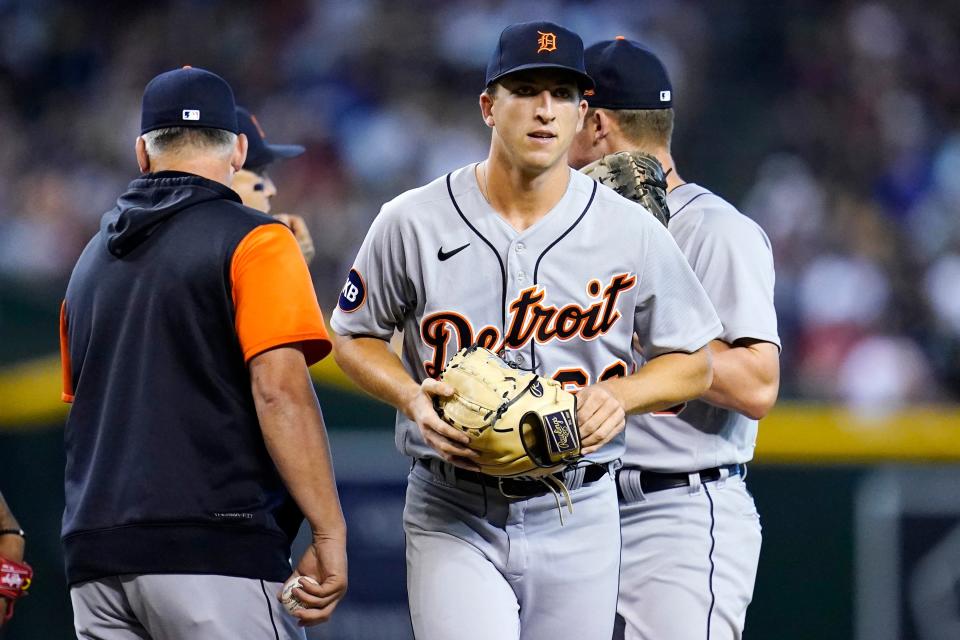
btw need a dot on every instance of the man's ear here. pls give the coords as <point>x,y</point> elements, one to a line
<point>239,152</point>
<point>486,108</point>
<point>602,125</point>
<point>584,109</point>
<point>143,160</point>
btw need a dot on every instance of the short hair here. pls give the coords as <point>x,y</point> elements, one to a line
<point>645,126</point>
<point>175,139</point>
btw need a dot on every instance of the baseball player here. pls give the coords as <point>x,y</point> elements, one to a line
<point>523,256</point>
<point>691,533</point>
<point>255,187</point>
<point>194,445</point>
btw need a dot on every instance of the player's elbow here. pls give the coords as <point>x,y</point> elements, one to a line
<point>279,379</point>
<point>760,401</point>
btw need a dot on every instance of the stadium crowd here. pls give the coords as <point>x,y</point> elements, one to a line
<point>835,125</point>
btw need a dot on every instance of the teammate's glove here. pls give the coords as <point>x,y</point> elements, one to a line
<point>15,579</point>
<point>636,176</point>
<point>520,423</point>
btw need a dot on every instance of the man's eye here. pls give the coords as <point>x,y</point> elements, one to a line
<point>563,93</point>
<point>258,186</point>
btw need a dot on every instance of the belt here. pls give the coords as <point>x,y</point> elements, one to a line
<point>516,486</point>
<point>652,481</point>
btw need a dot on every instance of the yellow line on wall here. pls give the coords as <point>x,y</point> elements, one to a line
<point>30,391</point>
<point>792,433</point>
<point>797,433</point>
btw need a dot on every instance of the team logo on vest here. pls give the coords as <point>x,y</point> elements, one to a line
<point>530,320</point>
<point>353,294</point>
<point>546,42</point>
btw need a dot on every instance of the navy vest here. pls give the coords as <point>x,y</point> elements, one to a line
<point>166,467</point>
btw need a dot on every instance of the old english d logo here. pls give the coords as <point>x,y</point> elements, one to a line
<point>546,42</point>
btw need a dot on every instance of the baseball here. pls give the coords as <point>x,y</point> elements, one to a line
<point>290,601</point>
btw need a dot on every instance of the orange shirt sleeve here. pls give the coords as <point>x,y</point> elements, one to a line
<point>273,295</point>
<point>67,373</point>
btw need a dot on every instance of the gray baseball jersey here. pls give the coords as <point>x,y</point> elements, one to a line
<point>562,298</point>
<point>731,255</point>
<point>701,541</point>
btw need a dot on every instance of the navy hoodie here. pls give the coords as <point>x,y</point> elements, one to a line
<point>166,467</point>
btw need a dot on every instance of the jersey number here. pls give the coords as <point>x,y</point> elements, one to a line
<point>579,378</point>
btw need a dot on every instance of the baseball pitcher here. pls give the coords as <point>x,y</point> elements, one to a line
<point>555,273</point>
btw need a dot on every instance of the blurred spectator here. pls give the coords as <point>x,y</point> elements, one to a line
<point>882,374</point>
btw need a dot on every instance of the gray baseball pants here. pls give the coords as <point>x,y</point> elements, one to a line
<point>689,561</point>
<point>181,607</point>
<point>481,566</point>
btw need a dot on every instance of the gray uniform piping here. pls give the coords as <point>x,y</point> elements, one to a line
<point>536,266</point>
<point>503,270</point>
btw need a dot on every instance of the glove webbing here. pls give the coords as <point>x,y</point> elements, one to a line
<point>502,409</point>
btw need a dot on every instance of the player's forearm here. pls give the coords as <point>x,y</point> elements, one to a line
<point>7,521</point>
<point>746,377</point>
<point>376,369</point>
<point>296,439</point>
<point>663,382</point>
<point>11,545</point>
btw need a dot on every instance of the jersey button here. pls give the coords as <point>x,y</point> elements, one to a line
<point>520,248</point>
<point>518,358</point>
<point>521,277</point>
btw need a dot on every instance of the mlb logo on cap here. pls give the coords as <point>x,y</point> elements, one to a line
<point>188,97</point>
<point>627,76</point>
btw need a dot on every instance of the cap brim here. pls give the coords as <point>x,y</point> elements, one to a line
<point>586,81</point>
<point>286,150</point>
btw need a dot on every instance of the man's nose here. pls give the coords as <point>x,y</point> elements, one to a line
<point>545,107</point>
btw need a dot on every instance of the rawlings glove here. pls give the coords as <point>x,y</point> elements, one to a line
<point>636,176</point>
<point>15,579</point>
<point>520,423</point>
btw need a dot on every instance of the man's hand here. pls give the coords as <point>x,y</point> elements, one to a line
<point>600,417</point>
<point>450,443</point>
<point>300,232</point>
<point>325,560</point>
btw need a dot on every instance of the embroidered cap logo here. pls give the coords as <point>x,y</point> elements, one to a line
<point>546,42</point>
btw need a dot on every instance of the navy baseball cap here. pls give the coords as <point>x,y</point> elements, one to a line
<point>188,97</point>
<point>538,45</point>
<point>627,76</point>
<point>259,153</point>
